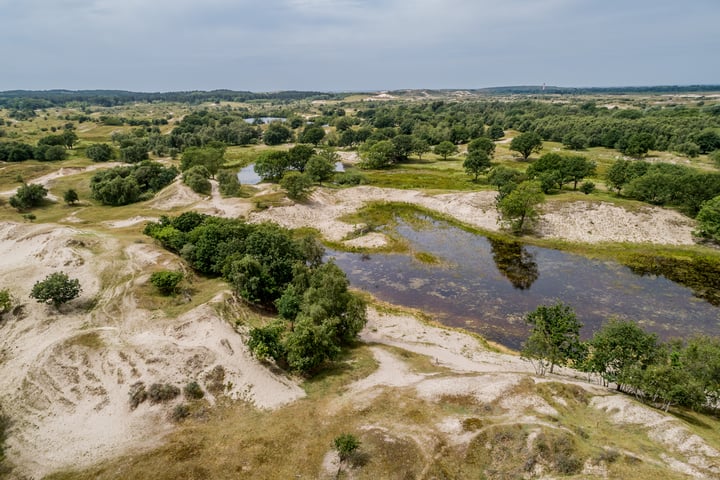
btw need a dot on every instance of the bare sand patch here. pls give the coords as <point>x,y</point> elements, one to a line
<point>66,375</point>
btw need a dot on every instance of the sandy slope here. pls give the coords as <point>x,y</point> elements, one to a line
<point>69,399</point>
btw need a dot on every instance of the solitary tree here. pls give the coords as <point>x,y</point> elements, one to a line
<point>297,185</point>
<point>345,445</point>
<point>71,197</point>
<point>526,143</point>
<point>57,288</point>
<point>555,337</point>
<point>476,163</point>
<point>519,207</point>
<point>445,149</point>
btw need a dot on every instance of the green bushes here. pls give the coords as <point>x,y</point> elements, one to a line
<point>28,196</point>
<point>266,266</point>
<point>125,185</point>
<point>166,282</point>
<point>57,288</point>
<point>197,179</point>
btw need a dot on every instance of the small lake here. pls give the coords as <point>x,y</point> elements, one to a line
<point>487,286</point>
<point>247,175</point>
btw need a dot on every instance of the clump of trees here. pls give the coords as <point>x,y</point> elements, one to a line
<point>268,267</point>
<point>28,196</point>
<point>166,281</point>
<point>675,373</point>
<point>130,184</point>
<point>664,184</point>
<point>553,170</point>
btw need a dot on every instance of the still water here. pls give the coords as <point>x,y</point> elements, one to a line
<point>487,286</point>
<point>247,175</point>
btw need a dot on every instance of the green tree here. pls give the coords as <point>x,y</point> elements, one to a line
<point>618,348</point>
<point>166,281</point>
<point>518,208</point>
<point>276,134</point>
<point>134,153</point>
<point>526,143</point>
<point>708,220</point>
<point>476,162</point>
<point>555,337</point>
<point>69,138</point>
<point>211,157</point>
<point>271,165</point>
<point>505,179</point>
<point>379,155</point>
<point>99,152</point>
<point>575,168</point>
<point>483,144</point>
<point>496,132</point>
<point>28,196</point>
<point>71,197</point>
<point>196,178</point>
<point>57,288</point>
<point>445,149</point>
<point>296,184</point>
<point>708,140</point>
<point>228,183</point>
<point>420,147</point>
<point>638,144</point>
<point>313,134</point>
<point>403,147</point>
<point>319,169</point>
<point>299,155</point>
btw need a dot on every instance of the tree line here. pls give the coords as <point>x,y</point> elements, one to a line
<point>663,374</point>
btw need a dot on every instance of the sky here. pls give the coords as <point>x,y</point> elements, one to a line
<point>352,45</point>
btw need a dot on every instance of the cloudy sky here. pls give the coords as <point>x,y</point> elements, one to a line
<point>268,45</point>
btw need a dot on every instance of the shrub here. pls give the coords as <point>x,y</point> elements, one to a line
<point>28,196</point>
<point>57,288</point>
<point>162,392</point>
<point>6,301</point>
<point>70,197</point>
<point>180,412</point>
<point>194,391</point>
<point>587,188</point>
<point>197,179</point>
<point>228,183</point>
<point>346,445</point>
<point>297,185</point>
<point>350,179</point>
<point>138,394</point>
<point>166,281</point>
<point>99,152</point>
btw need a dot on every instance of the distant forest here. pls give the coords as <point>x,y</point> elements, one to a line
<point>37,99</point>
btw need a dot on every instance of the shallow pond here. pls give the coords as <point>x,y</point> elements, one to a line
<point>487,286</point>
<point>247,175</point>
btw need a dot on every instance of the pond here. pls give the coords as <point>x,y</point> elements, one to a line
<point>487,286</point>
<point>247,175</point>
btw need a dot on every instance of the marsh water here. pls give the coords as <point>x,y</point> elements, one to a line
<point>487,286</point>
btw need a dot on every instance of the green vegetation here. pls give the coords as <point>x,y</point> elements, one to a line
<point>6,301</point>
<point>125,185</point>
<point>266,266</point>
<point>28,196</point>
<point>166,281</point>
<point>554,339</point>
<point>519,207</point>
<point>57,288</point>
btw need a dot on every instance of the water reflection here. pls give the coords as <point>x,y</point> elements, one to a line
<point>514,261</point>
<point>487,286</point>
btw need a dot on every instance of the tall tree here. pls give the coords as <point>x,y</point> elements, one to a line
<point>555,337</point>
<point>518,208</point>
<point>526,143</point>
